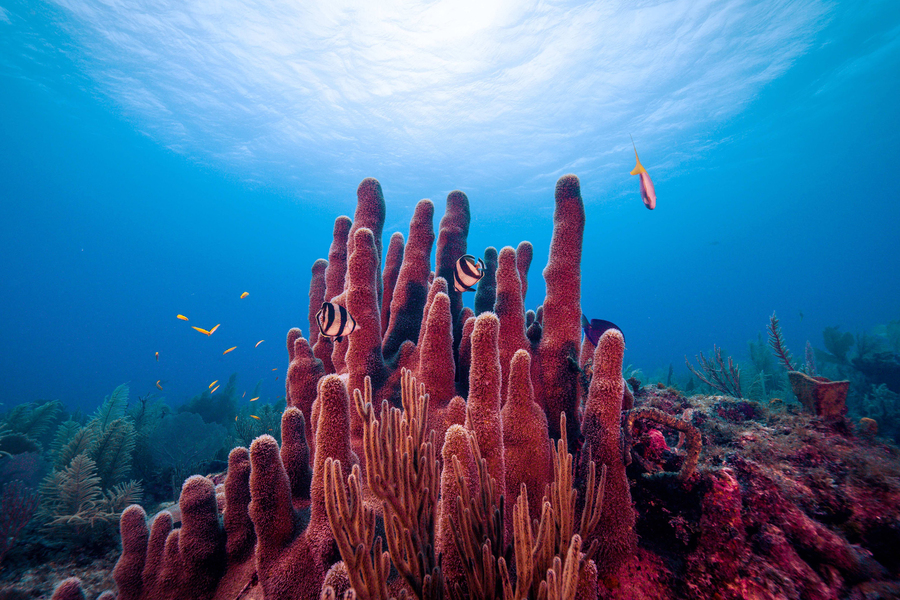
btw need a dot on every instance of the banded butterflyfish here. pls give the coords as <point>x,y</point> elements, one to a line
<point>468,272</point>
<point>334,321</point>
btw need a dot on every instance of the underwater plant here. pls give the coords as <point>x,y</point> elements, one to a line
<point>719,374</point>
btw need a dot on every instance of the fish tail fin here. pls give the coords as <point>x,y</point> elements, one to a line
<point>638,169</point>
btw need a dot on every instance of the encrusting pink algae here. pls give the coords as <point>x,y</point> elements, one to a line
<point>539,493</point>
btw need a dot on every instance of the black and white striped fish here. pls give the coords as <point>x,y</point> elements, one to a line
<point>334,321</point>
<point>468,272</point>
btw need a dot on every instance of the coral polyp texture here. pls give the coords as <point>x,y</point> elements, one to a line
<point>439,452</point>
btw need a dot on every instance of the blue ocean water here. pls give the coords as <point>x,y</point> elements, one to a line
<point>163,158</point>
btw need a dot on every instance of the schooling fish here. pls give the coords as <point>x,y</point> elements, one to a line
<point>596,328</point>
<point>213,330</point>
<point>157,383</point>
<point>182,317</point>
<point>213,383</point>
<point>213,391</point>
<point>648,194</point>
<point>258,343</point>
<point>157,357</point>
<point>229,350</point>
<point>244,295</point>
<point>468,272</point>
<point>334,321</point>
<point>255,417</point>
<point>201,330</point>
<point>254,399</point>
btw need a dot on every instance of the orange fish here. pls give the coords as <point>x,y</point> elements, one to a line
<point>157,383</point>
<point>255,417</point>
<point>213,330</point>
<point>213,383</point>
<point>213,391</point>
<point>229,350</point>
<point>157,357</point>
<point>275,369</point>
<point>201,330</point>
<point>182,317</point>
<point>258,343</point>
<point>244,295</point>
<point>648,192</point>
<point>244,395</point>
<point>254,399</point>
<point>235,418</point>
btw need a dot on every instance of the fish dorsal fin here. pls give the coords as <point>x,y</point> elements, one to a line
<point>638,168</point>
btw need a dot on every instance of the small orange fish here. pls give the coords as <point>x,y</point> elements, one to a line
<point>244,395</point>
<point>157,357</point>
<point>275,369</point>
<point>201,330</point>
<point>157,383</point>
<point>213,391</point>
<point>244,295</point>
<point>254,399</point>
<point>182,317</point>
<point>255,417</point>
<point>213,330</point>
<point>235,418</point>
<point>213,383</point>
<point>258,343</point>
<point>229,350</point>
<point>648,192</point>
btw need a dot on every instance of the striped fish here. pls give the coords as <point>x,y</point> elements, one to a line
<point>334,321</point>
<point>468,272</point>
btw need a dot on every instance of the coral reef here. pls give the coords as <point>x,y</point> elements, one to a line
<point>529,494</point>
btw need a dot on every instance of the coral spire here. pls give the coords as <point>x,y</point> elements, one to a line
<point>316,297</point>
<point>526,445</point>
<point>295,453</point>
<point>364,357</point>
<point>392,263</point>
<point>436,368</point>
<point>602,435</point>
<point>557,381</point>
<point>487,287</point>
<point>524,254</point>
<point>160,529</point>
<point>511,312</point>
<point>483,414</point>
<point>240,536</point>
<point>129,569</point>
<point>304,372</point>
<point>370,211</point>
<point>411,290</point>
<point>452,233</point>
<point>456,449</point>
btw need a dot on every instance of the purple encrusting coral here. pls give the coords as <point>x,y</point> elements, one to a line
<point>777,504</point>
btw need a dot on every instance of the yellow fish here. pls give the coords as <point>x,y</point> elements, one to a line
<point>157,383</point>
<point>182,317</point>
<point>235,418</point>
<point>254,399</point>
<point>213,383</point>
<point>275,369</point>
<point>213,330</point>
<point>258,343</point>
<point>255,417</point>
<point>213,391</point>
<point>201,330</point>
<point>229,350</point>
<point>244,295</point>
<point>157,357</point>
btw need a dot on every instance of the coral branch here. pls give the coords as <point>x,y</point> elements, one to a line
<point>777,343</point>
<point>720,376</point>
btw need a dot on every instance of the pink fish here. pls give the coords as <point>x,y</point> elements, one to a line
<point>648,194</point>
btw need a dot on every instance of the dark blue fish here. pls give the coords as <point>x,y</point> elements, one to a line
<point>596,327</point>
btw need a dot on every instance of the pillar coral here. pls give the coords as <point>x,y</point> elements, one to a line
<point>436,368</point>
<point>509,309</point>
<point>524,254</point>
<point>526,445</point>
<point>303,375</point>
<point>483,403</point>
<point>436,286</point>
<point>456,446</point>
<point>295,455</point>
<point>316,297</point>
<point>411,290</point>
<point>487,286</point>
<point>452,233</point>
<point>370,212</point>
<point>602,434</point>
<point>465,356</point>
<point>69,589</point>
<point>130,566</point>
<point>334,282</point>
<point>160,529</point>
<point>555,379</point>
<point>392,262</point>
<point>364,358</point>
